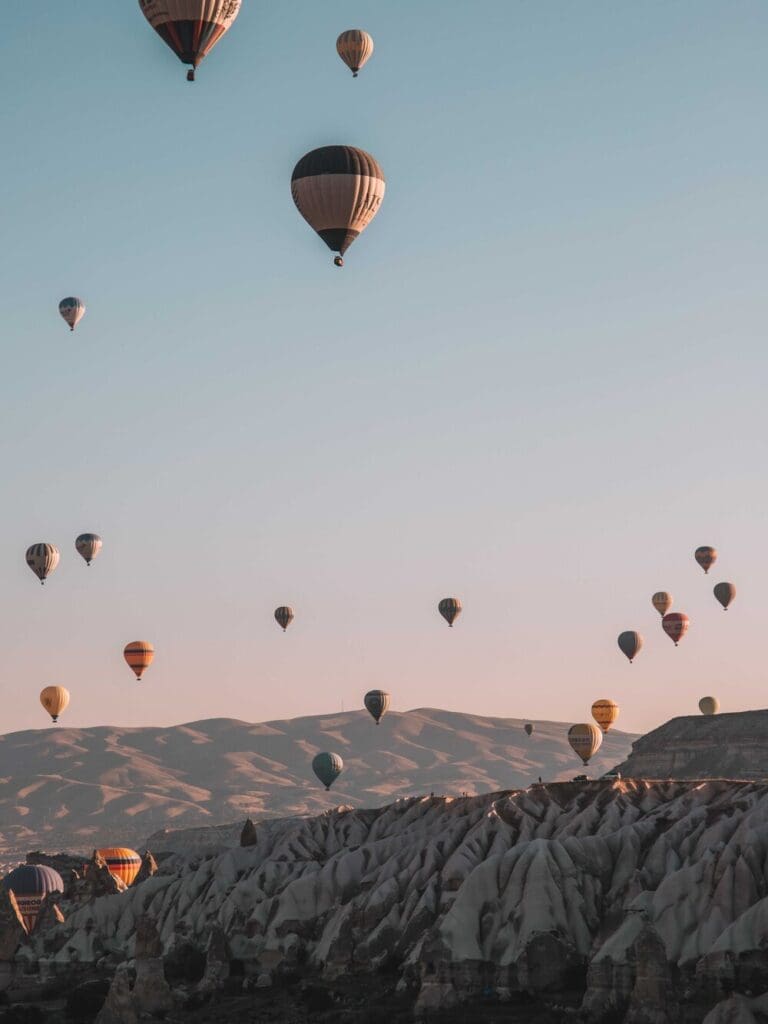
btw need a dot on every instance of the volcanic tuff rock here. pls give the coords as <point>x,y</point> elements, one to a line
<point>80,788</point>
<point>723,746</point>
<point>637,901</point>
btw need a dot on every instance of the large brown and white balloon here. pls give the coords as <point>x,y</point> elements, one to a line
<point>585,740</point>
<point>338,191</point>
<point>42,559</point>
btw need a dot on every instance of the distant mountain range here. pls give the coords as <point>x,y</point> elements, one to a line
<point>76,788</point>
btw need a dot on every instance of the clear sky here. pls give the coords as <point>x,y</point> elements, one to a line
<point>538,383</point>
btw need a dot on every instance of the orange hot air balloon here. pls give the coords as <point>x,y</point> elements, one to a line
<point>122,862</point>
<point>662,601</point>
<point>675,625</point>
<point>605,712</point>
<point>725,593</point>
<point>139,655</point>
<point>354,46</point>
<point>706,556</point>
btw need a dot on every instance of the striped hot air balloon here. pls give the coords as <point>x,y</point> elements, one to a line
<point>190,27</point>
<point>139,655</point>
<point>327,767</point>
<point>30,884</point>
<point>585,740</point>
<point>338,190</point>
<point>88,546</point>
<point>72,310</point>
<point>122,862</point>
<point>676,625</point>
<point>284,616</point>
<point>42,559</point>
<point>450,609</point>
<point>54,699</point>
<point>662,601</point>
<point>377,703</point>
<point>605,712</point>
<point>355,48</point>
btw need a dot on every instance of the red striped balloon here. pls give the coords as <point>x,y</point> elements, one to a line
<point>675,625</point>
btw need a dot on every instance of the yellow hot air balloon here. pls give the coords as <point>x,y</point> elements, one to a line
<point>54,699</point>
<point>139,655</point>
<point>585,739</point>
<point>709,705</point>
<point>662,602</point>
<point>355,48</point>
<point>605,712</point>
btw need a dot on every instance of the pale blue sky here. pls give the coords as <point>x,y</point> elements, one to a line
<point>539,382</point>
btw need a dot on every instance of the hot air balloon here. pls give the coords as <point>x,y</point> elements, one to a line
<point>706,557</point>
<point>88,545</point>
<point>42,559</point>
<point>139,655</point>
<point>284,616</point>
<point>377,702</point>
<point>675,625</point>
<point>725,593</point>
<point>450,609</point>
<point>605,712</point>
<point>355,48</point>
<point>709,705</point>
<point>30,884</point>
<point>630,643</point>
<point>327,767</point>
<point>338,190</point>
<point>662,602</point>
<point>122,862</point>
<point>190,27</point>
<point>528,728</point>
<point>73,311</point>
<point>54,699</point>
<point>585,739</point>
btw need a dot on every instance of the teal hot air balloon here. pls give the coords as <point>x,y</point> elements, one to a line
<point>377,703</point>
<point>327,767</point>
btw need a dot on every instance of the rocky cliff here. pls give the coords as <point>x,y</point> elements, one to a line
<point>724,746</point>
<point>606,901</point>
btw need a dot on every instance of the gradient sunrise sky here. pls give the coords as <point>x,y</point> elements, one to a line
<point>538,384</point>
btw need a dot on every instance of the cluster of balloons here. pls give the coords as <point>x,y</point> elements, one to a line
<point>31,883</point>
<point>676,624</point>
<point>328,765</point>
<point>43,558</point>
<point>585,738</point>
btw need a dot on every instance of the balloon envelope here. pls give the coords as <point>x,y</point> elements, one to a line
<point>72,310</point>
<point>675,625</point>
<point>662,601</point>
<point>725,593</point>
<point>338,191</point>
<point>139,655</point>
<point>42,559</point>
<point>706,556</point>
<point>528,728</point>
<point>377,703</point>
<point>585,739</point>
<point>327,767</point>
<point>605,712</point>
<point>284,616</point>
<point>355,48</point>
<point>122,862</point>
<point>450,609</point>
<point>30,884</point>
<point>709,705</point>
<point>88,545</point>
<point>630,642</point>
<point>54,699</point>
<point>191,28</point>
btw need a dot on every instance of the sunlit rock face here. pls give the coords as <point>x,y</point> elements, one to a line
<point>631,900</point>
<point>723,746</point>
